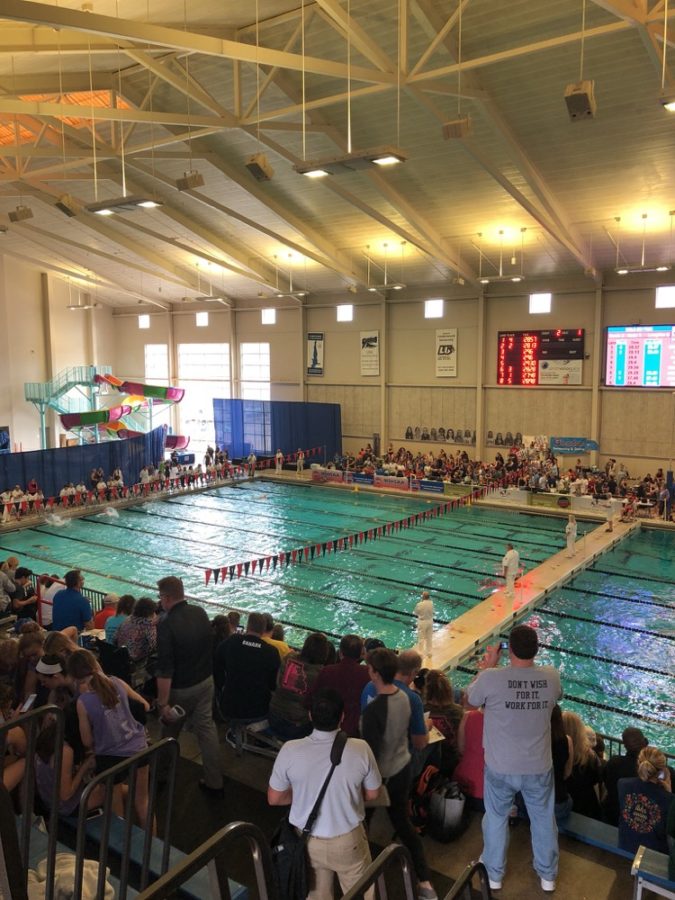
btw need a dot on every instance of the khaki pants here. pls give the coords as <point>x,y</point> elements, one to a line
<point>347,856</point>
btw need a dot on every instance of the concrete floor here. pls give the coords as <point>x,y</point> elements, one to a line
<point>585,873</point>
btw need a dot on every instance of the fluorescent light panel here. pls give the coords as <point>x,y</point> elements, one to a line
<point>121,204</point>
<point>351,162</point>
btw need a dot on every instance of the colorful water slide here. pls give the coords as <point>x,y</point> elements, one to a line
<point>128,415</point>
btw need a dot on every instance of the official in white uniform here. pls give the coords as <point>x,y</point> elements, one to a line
<point>510,564</point>
<point>424,611</point>
<point>571,535</point>
<point>279,460</point>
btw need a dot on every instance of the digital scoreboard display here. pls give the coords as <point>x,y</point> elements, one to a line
<point>530,358</point>
<point>640,356</point>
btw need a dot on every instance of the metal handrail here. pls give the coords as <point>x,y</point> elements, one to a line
<point>462,888</point>
<point>31,723</point>
<point>213,853</point>
<point>393,855</point>
<point>162,759</point>
<point>43,391</point>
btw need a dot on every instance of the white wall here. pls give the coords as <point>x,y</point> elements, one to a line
<point>633,425</point>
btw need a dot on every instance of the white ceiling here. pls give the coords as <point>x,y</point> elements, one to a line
<point>569,198</point>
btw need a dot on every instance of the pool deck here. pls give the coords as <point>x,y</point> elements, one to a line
<point>454,642</point>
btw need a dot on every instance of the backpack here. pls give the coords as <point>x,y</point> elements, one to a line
<point>438,806</point>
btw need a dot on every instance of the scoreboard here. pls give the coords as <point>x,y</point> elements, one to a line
<point>530,358</point>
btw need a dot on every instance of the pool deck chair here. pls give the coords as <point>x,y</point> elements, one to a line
<point>253,736</point>
<point>650,870</point>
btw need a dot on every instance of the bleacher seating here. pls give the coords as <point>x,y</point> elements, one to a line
<point>650,870</point>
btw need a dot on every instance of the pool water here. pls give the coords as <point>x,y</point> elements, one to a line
<point>611,633</point>
<point>373,588</point>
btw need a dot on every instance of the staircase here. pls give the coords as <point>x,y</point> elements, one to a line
<point>56,394</point>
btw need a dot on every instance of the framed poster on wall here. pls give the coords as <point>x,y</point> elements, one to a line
<point>370,352</point>
<point>315,352</point>
<point>446,353</point>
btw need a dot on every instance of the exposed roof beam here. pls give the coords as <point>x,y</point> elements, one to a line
<point>550,215</point>
<point>181,83</point>
<point>358,36</point>
<point>490,59</point>
<point>161,36</point>
<point>40,108</point>
<point>217,240</point>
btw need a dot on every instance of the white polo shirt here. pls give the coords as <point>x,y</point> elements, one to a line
<point>304,764</point>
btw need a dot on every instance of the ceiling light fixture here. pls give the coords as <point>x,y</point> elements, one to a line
<point>356,161</point>
<point>668,102</point>
<point>20,214</point>
<point>386,285</point>
<point>501,276</point>
<point>279,293</point>
<point>643,266</point>
<point>121,204</point>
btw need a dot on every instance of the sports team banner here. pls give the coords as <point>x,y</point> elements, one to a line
<point>446,352</point>
<point>370,352</point>
<point>315,353</point>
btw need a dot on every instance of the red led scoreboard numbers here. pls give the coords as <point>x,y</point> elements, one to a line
<point>530,358</point>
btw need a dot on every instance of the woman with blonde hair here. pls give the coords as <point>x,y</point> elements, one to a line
<point>645,802</point>
<point>107,727</point>
<point>586,769</point>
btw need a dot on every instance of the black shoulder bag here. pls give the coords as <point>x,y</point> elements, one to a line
<point>289,849</point>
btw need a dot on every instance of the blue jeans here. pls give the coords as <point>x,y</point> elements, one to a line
<point>539,797</point>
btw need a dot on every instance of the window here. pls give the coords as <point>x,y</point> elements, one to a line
<point>202,319</point>
<point>254,362</point>
<point>204,372</point>
<point>433,309</point>
<point>540,303</point>
<point>665,296</point>
<point>157,363</point>
<point>345,312</point>
<point>268,316</point>
<point>144,321</point>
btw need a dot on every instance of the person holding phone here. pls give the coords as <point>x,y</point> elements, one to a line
<point>517,701</point>
<point>73,778</point>
<point>645,803</point>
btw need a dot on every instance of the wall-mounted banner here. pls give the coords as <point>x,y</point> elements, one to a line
<point>370,352</point>
<point>315,353</point>
<point>572,445</point>
<point>446,352</point>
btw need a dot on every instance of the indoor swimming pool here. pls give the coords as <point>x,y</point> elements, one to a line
<point>610,630</point>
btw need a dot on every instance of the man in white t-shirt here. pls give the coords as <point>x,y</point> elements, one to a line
<point>48,589</point>
<point>510,564</point>
<point>337,843</point>
<point>517,701</point>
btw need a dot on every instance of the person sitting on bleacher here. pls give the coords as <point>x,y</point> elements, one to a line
<point>644,803</point>
<point>246,672</point>
<point>621,766</point>
<point>289,707</point>
<point>110,602</point>
<point>73,778</point>
<point>107,726</point>
<point>71,607</point>
<point>138,633</point>
<point>123,610</point>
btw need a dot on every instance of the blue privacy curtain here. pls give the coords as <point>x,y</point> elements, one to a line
<point>54,468</point>
<point>266,426</point>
